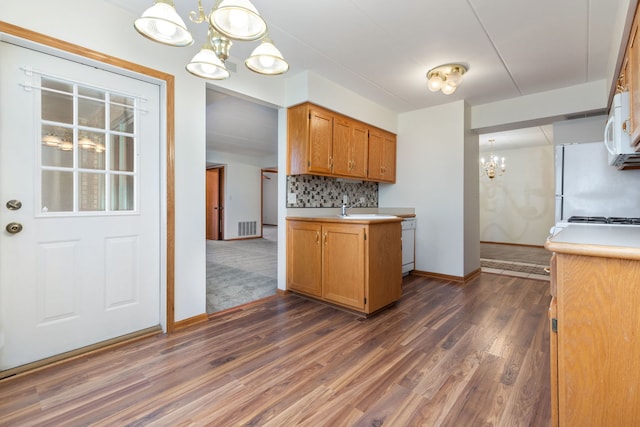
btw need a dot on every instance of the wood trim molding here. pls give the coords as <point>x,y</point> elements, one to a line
<point>195,320</point>
<point>169,81</point>
<point>457,279</point>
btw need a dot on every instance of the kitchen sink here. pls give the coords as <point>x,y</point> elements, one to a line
<point>366,216</point>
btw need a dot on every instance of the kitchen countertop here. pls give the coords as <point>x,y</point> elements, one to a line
<point>338,218</point>
<point>326,213</point>
<point>609,241</point>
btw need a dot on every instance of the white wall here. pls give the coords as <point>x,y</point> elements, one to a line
<point>519,207</point>
<point>308,86</point>
<point>431,178</point>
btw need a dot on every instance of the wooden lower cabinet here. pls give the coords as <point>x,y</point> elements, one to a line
<point>304,258</point>
<point>357,266</point>
<point>595,352</point>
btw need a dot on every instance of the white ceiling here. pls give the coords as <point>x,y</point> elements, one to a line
<point>383,49</point>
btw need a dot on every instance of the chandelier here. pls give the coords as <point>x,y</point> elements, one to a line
<point>445,78</point>
<point>495,166</point>
<point>228,20</point>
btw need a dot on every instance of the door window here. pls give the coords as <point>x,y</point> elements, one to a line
<point>87,149</point>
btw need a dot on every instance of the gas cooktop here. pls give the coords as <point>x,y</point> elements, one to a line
<point>604,220</point>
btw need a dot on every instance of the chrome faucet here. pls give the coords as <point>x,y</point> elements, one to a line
<point>344,208</point>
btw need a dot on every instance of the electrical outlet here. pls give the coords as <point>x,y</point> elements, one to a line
<point>291,198</point>
<point>362,200</point>
<point>345,199</point>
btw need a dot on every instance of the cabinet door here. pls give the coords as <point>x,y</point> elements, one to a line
<point>382,156</point>
<point>375,155</point>
<point>553,355</point>
<point>341,146</point>
<point>304,257</point>
<point>598,324</point>
<point>343,270</point>
<point>358,153</point>
<point>389,158</point>
<point>320,141</point>
<point>632,79</point>
<point>350,141</point>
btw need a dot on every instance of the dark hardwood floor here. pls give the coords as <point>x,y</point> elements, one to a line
<point>444,355</point>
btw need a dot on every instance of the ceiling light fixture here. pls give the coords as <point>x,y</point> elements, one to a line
<point>228,20</point>
<point>496,166</point>
<point>445,78</point>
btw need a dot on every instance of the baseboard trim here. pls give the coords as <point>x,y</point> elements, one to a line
<point>458,279</point>
<point>195,320</point>
<point>514,244</point>
<point>86,351</point>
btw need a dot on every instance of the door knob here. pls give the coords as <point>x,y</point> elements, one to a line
<point>14,227</point>
<point>14,205</point>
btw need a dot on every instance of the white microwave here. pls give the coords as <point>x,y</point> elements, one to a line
<point>616,138</point>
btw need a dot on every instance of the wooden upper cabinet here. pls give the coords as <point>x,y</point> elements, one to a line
<point>350,142</point>
<point>321,142</point>
<point>309,136</point>
<point>382,156</point>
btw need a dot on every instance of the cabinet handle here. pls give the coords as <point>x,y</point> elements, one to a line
<point>330,162</point>
<point>317,237</point>
<point>325,238</point>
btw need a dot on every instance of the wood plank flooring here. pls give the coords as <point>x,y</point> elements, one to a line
<point>444,355</point>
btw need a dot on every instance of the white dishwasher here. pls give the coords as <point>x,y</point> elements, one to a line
<point>408,245</point>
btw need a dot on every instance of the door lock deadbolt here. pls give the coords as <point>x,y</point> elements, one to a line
<point>13,227</point>
<point>14,205</point>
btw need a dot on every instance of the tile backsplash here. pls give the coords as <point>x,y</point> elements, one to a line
<point>325,192</point>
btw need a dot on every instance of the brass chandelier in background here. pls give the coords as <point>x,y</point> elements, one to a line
<point>495,166</point>
<point>228,20</point>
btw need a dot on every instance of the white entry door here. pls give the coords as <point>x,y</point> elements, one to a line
<point>79,205</point>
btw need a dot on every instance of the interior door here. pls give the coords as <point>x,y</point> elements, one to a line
<point>79,205</point>
<point>213,204</point>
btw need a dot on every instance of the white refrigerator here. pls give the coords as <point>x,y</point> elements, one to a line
<point>587,186</point>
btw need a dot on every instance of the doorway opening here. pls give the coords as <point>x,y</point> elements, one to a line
<point>215,203</point>
<point>242,144</point>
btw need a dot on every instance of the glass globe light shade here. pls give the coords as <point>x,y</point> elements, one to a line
<point>267,59</point>
<point>207,65</point>
<point>238,20</point>
<point>435,82</point>
<point>454,78</point>
<point>448,89</point>
<point>161,23</point>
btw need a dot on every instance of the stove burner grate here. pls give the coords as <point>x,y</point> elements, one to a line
<point>604,220</point>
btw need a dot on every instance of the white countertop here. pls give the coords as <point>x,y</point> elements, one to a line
<point>612,241</point>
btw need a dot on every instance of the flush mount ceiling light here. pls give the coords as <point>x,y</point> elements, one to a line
<point>228,20</point>
<point>445,78</point>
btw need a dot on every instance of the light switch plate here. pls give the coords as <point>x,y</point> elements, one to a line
<point>291,198</point>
